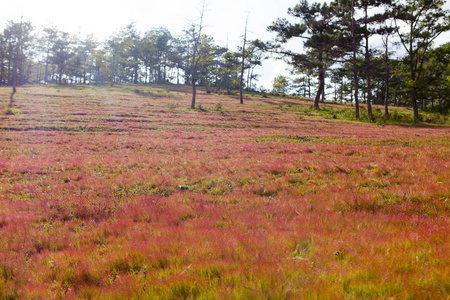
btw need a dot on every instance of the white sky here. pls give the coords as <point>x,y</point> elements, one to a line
<point>224,19</point>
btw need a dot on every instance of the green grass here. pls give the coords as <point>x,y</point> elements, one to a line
<point>396,115</point>
<point>12,111</point>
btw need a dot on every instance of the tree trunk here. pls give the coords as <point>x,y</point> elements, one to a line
<point>412,67</point>
<point>413,95</point>
<point>309,86</point>
<point>159,73</point>
<point>386,100</point>
<point>355,67</point>
<point>135,74</point>
<point>2,73</point>
<point>9,81</point>
<point>413,91</point>
<point>321,86</point>
<point>14,78</point>
<point>367,69</point>
<point>60,74</point>
<point>196,38</point>
<point>16,62</point>
<point>241,81</point>
<point>193,72</point>
<point>165,71</point>
<point>356,87</point>
<point>207,87</point>
<point>386,79</point>
<point>194,91</point>
<point>368,83</point>
<point>241,84</point>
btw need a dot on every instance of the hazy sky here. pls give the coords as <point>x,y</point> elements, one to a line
<point>223,19</point>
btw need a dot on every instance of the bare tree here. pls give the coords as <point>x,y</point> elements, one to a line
<point>195,31</point>
<point>241,80</point>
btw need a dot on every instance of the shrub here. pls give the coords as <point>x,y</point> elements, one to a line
<point>12,111</point>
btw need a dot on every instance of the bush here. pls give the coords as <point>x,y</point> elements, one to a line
<point>12,111</point>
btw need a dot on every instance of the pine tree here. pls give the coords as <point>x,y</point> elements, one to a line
<point>419,23</point>
<point>318,26</point>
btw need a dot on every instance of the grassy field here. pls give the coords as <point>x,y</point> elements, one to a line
<point>124,192</point>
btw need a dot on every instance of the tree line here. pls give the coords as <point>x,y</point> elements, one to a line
<point>337,46</point>
<point>338,54</point>
<point>127,56</point>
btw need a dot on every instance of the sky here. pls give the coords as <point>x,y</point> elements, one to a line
<point>224,20</point>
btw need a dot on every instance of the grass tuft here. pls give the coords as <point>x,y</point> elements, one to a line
<point>12,111</point>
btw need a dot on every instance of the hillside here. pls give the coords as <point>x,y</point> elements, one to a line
<point>125,193</point>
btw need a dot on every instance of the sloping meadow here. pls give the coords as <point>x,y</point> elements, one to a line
<point>125,193</point>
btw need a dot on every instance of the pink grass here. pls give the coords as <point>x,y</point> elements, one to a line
<point>108,193</point>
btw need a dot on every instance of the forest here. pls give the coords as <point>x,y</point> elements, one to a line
<point>338,55</point>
